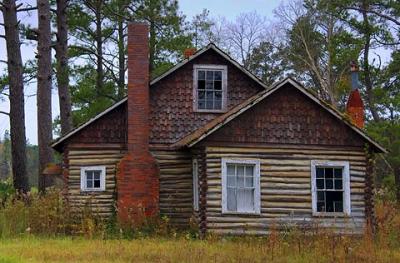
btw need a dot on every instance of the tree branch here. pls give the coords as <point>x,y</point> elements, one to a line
<point>27,9</point>
<point>3,36</point>
<point>375,13</point>
<point>5,113</point>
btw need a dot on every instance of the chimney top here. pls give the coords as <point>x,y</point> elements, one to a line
<point>189,52</point>
<point>354,75</point>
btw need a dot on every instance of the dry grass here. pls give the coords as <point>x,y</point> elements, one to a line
<point>42,229</point>
<point>182,250</point>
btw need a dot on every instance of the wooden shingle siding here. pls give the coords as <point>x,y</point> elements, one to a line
<point>176,192</point>
<point>102,202</point>
<point>285,189</point>
<point>171,99</point>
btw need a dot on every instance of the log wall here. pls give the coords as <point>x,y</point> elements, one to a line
<point>176,187</point>
<point>285,189</point>
<point>101,203</point>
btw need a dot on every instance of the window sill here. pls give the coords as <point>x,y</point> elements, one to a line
<point>210,111</point>
<point>327,214</point>
<point>241,213</point>
<point>92,191</point>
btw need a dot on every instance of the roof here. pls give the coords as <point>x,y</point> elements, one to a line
<point>210,46</point>
<point>203,132</point>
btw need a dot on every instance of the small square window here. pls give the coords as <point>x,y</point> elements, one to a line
<point>93,178</point>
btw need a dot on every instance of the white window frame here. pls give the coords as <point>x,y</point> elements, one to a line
<point>224,70</point>
<point>102,170</point>
<point>346,186</point>
<point>257,196</point>
<point>195,178</point>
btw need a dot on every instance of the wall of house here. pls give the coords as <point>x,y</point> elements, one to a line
<point>285,189</point>
<point>176,192</point>
<point>81,155</point>
<point>171,99</point>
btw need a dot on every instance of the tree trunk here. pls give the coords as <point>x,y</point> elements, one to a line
<point>17,114</point>
<point>99,48</point>
<point>44,90</point>
<point>367,71</point>
<point>121,55</point>
<point>62,67</point>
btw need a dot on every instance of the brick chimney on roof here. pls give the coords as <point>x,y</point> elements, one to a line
<point>355,105</point>
<point>137,176</point>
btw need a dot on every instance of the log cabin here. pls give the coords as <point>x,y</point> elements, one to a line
<point>207,140</point>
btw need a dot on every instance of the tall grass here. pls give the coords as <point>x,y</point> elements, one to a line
<point>48,223</point>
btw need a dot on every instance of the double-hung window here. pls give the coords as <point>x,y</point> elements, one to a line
<point>210,82</point>
<point>93,178</point>
<point>330,187</point>
<point>240,186</point>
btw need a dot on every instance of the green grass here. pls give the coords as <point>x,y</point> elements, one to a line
<point>33,249</point>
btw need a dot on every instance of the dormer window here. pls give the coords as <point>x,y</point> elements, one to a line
<point>210,82</point>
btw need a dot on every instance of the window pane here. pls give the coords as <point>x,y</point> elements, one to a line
<point>338,206</point>
<point>249,181</point>
<point>202,104</point>
<point>218,95</point>
<point>89,175</point>
<point>210,75</point>
<point>338,173</point>
<point>96,184</point>
<point>209,104</point>
<point>240,175</point>
<point>320,206</point>
<point>328,172</point>
<point>332,198</point>
<point>320,172</point>
<point>210,96</point>
<point>231,199</point>
<point>209,85</point>
<point>89,183</point>
<point>329,183</point>
<point>231,181</point>
<point>201,75</point>
<point>249,170</point>
<point>320,196</point>
<point>231,169</point>
<point>320,184</point>
<point>245,200</point>
<point>217,75</point>
<point>218,85</point>
<point>202,95</point>
<point>96,175</point>
<point>217,104</point>
<point>201,84</point>
<point>338,184</point>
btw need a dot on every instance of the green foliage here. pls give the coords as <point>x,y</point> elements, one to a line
<point>268,62</point>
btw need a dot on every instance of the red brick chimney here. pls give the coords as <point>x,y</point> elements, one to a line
<point>189,52</point>
<point>137,176</point>
<point>355,105</point>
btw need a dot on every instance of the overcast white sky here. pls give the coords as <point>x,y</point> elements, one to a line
<point>229,9</point>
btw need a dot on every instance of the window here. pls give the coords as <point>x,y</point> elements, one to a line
<point>93,178</point>
<point>240,186</point>
<point>210,82</point>
<point>195,172</point>
<point>330,187</point>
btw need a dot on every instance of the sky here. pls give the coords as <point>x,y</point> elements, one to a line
<point>228,9</point>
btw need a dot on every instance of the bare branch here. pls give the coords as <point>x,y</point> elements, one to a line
<point>3,36</point>
<point>5,113</point>
<point>26,9</point>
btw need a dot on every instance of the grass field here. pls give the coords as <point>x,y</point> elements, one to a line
<point>33,249</point>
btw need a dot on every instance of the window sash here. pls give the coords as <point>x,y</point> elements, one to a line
<point>209,89</point>
<point>327,181</point>
<point>93,178</point>
<point>240,186</point>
